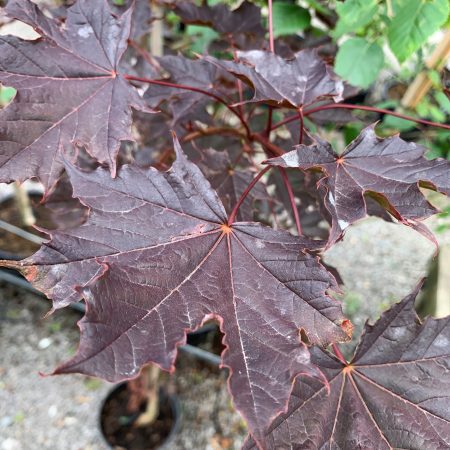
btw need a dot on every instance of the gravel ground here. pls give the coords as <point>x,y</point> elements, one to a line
<point>379,263</point>
<point>61,413</point>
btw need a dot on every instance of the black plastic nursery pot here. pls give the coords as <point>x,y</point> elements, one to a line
<point>118,426</point>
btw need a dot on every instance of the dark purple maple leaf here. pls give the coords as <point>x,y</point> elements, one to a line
<point>65,210</point>
<point>156,258</point>
<point>389,169</point>
<point>393,394</point>
<point>310,208</point>
<point>242,26</point>
<point>68,89</point>
<point>185,104</point>
<point>140,19</point>
<point>291,83</point>
<point>230,182</point>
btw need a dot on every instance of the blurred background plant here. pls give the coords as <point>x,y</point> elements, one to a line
<point>394,51</point>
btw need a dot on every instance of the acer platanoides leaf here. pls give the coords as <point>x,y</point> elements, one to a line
<point>244,19</point>
<point>156,258</point>
<point>69,89</point>
<point>393,394</point>
<point>389,169</point>
<point>291,83</point>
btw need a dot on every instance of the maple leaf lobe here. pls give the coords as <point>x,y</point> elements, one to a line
<point>389,169</point>
<point>77,63</point>
<point>292,83</point>
<point>393,394</point>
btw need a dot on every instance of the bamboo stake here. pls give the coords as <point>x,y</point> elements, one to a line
<point>23,205</point>
<point>422,83</point>
<point>151,380</point>
<point>157,31</point>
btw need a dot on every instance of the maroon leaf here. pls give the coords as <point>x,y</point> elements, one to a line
<point>389,169</point>
<point>140,18</point>
<point>78,64</point>
<point>393,394</point>
<point>310,208</point>
<point>156,258</point>
<point>291,83</point>
<point>230,182</point>
<point>246,19</point>
<point>185,104</point>
<point>62,208</point>
<point>65,210</point>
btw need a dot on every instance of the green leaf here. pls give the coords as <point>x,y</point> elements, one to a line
<point>354,14</point>
<point>397,123</point>
<point>316,5</point>
<point>6,95</point>
<point>443,101</point>
<point>289,18</point>
<point>437,115</point>
<point>351,131</point>
<point>413,23</point>
<point>359,61</point>
<point>203,37</point>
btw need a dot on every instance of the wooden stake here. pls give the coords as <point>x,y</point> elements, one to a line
<point>422,83</point>
<point>151,374</point>
<point>157,31</point>
<point>23,205</point>
<point>435,299</point>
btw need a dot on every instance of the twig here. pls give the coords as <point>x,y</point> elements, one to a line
<point>193,89</point>
<point>292,200</point>
<point>362,108</point>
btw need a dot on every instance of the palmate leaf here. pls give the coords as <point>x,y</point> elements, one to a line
<point>156,258</point>
<point>291,83</point>
<point>240,28</point>
<point>244,19</point>
<point>389,169</point>
<point>184,104</point>
<point>69,89</point>
<point>140,19</point>
<point>393,394</point>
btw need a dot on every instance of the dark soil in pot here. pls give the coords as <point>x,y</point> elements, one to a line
<point>118,428</point>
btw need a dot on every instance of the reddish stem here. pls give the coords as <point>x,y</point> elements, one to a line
<point>292,200</point>
<point>266,143</point>
<point>269,123</point>
<point>378,110</point>
<point>193,89</point>
<point>339,354</point>
<point>285,121</point>
<point>363,108</point>
<point>300,115</point>
<point>234,212</point>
